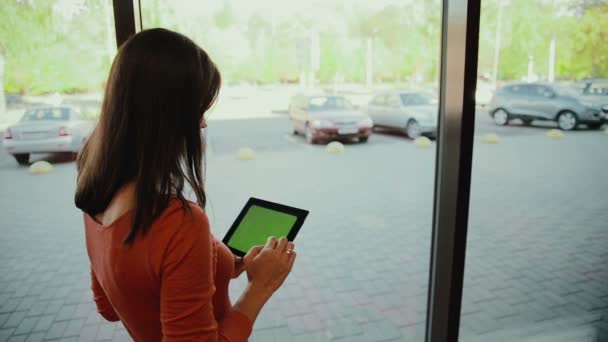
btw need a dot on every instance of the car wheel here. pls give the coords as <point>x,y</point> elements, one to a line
<point>501,117</point>
<point>309,136</point>
<point>22,158</point>
<point>567,121</point>
<point>363,139</point>
<point>596,125</point>
<point>413,129</point>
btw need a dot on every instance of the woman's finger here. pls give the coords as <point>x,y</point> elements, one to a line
<point>255,250</point>
<point>272,242</point>
<point>282,244</point>
<point>291,260</point>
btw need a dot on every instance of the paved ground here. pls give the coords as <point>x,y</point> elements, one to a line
<point>537,261</point>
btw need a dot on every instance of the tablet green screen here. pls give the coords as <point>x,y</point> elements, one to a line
<point>258,224</point>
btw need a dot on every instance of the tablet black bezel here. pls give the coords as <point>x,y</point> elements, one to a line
<point>300,215</point>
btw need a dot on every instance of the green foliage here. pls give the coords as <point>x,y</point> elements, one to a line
<point>528,28</point>
<point>224,18</point>
<point>47,51</point>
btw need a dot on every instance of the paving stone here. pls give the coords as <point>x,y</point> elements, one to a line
<point>56,330</point>
<point>69,339</point>
<point>10,305</point>
<point>66,312</point>
<point>26,303</point>
<point>381,331</point>
<point>17,338</point>
<point>305,324</point>
<point>341,328</point>
<point>121,336</point>
<point>44,323</point>
<point>14,319</point>
<point>74,327</point>
<point>6,333</point>
<point>26,326</point>
<point>263,335</point>
<point>88,333</point>
<point>36,337</point>
<point>53,306</point>
<point>94,318</point>
<point>38,308</point>
<point>3,318</point>
<point>106,331</point>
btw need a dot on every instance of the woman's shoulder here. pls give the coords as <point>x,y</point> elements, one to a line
<point>183,213</point>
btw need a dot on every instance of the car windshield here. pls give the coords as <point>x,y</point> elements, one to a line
<point>416,99</point>
<point>597,88</point>
<point>46,114</point>
<point>328,103</point>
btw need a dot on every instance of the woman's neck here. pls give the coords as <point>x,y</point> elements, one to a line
<point>123,201</point>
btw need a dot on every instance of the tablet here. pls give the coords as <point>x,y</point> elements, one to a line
<point>260,219</point>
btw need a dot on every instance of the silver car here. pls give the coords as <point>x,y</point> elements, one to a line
<point>544,101</point>
<point>414,113</point>
<point>46,129</point>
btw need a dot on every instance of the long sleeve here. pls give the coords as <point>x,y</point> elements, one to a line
<point>187,288</point>
<point>104,307</point>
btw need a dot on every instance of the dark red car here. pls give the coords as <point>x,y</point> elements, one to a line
<point>328,117</point>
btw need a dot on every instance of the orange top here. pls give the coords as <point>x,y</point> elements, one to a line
<point>171,284</point>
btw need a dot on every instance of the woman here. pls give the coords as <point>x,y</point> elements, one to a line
<point>155,265</point>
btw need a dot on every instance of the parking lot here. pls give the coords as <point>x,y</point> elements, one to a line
<point>537,257</point>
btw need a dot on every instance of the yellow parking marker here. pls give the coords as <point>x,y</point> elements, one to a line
<point>422,142</point>
<point>335,147</point>
<point>490,138</point>
<point>245,153</point>
<point>41,167</point>
<point>606,131</point>
<point>554,134</point>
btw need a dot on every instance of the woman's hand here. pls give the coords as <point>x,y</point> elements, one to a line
<point>268,266</point>
<point>240,263</point>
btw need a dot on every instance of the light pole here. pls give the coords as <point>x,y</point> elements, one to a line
<point>551,76</point>
<point>2,99</point>
<point>368,63</point>
<point>369,59</point>
<point>501,5</point>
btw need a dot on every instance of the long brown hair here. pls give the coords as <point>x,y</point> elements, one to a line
<point>160,85</point>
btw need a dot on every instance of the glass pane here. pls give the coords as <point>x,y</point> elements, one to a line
<point>362,268</point>
<point>54,59</point>
<point>537,239</point>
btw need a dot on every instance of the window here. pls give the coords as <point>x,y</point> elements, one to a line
<point>47,114</point>
<point>379,100</point>
<point>363,262</point>
<point>532,272</point>
<point>514,89</point>
<point>596,88</point>
<point>542,91</point>
<point>393,100</point>
<point>415,99</point>
<point>535,261</point>
<point>328,103</point>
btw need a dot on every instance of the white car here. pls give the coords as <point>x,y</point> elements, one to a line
<point>412,112</point>
<point>47,129</point>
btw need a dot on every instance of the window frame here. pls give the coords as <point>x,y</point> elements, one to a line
<point>454,154</point>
